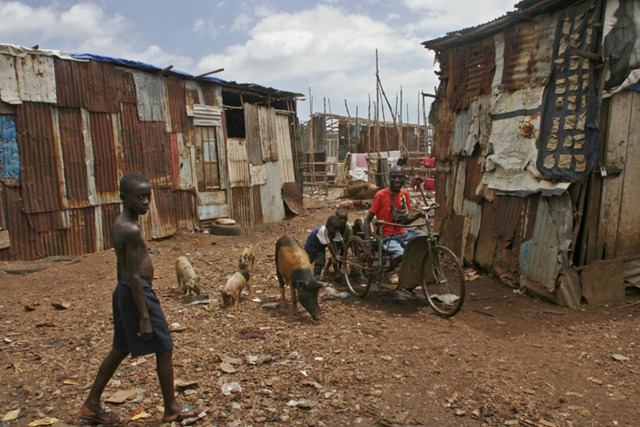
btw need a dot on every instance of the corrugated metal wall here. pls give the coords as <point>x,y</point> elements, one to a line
<point>39,158</point>
<point>69,156</point>
<point>78,126</point>
<point>517,224</point>
<point>271,194</point>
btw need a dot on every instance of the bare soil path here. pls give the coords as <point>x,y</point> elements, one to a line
<point>505,359</point>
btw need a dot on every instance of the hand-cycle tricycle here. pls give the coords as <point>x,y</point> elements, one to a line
<point>424,263</point>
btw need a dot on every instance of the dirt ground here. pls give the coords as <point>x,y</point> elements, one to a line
<point>505,359</point>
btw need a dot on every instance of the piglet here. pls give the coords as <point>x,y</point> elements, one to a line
<point>187,278</point>
<point>247,259</point>
<point>235,284</point>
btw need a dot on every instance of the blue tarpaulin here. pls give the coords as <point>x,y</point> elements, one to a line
<point>138,65</point>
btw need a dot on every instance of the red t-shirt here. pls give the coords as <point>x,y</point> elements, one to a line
<point>381,208</point>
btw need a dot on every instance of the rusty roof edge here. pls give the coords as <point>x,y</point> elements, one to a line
<point>259,89</point>
<point>525,10</point>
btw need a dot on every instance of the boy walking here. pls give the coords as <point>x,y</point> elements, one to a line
<point>139,325</point>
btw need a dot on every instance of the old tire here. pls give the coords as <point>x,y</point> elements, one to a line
<point>225,230</point>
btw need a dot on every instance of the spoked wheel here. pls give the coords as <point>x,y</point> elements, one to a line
<point>356,266</point>
<point>442,281</point>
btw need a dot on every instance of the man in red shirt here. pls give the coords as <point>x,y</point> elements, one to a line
<point>392,204</point>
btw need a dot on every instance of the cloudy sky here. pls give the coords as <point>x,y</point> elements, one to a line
<point>326,47</point>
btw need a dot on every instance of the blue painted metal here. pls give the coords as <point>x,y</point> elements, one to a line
<point>9,156</point>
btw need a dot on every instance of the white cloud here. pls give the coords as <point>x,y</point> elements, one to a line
<point>242,22</point>
<point>204,28</point>
<point>330,50</point>
<point>81,28</point>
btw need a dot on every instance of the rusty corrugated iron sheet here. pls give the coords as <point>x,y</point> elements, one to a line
<point>184,209</point>
<point>239,173</point>
<point>242,199</point>
<point>106,216</point>
<point>469,71</point>
<point>71,83</point>
<point>78,239</point>
<point>105,157</point>
<point>157,153</point>
<point>39,160</point>
<point>131,136</point>
<point>271,194</point>
<point>256,211</point>
<point>528,50</point>
<point>285,150</point>
<point>73,157</point>
<point>473,178</point>
<point>252,134</point>
<point>175,100</point>
<point>211,94</point>
<point>96,86</point>
<point>162,212</point>
<point>46,221</point>
<point>506,222</point>
<point>24,239</point>
<point>442,118</point>
<point>267,120</point>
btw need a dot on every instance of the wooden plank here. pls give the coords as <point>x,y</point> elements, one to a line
<point>628,242</point>
<point>594,195</point>
<point>616,149</point>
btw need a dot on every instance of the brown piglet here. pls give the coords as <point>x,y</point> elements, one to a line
<point>233,288</point>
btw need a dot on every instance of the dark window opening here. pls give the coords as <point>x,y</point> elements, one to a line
<point>235,123</point>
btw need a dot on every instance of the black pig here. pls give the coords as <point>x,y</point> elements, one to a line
<point>294,268</point>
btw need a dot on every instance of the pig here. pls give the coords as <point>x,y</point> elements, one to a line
<point>293,268</point>
<point>187,278</point>
<point>349,204</point>
<point>363,190</point>
<point>235,284</point>
<point>247,259</point>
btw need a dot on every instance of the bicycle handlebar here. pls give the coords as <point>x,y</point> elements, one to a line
<point>393,224</point>
<point>433,207</point>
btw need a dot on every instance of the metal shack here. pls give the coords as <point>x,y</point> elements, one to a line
<point>72,125</point>
<point>537,141</point>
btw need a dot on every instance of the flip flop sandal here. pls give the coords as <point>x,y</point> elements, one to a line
<point>101,417</point>
<point>185,412</point>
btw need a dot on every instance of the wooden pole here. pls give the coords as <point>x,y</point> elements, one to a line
<point>207,74</point>
<point>377,131</point>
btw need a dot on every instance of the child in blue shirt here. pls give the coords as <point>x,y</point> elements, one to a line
<point>318,241</point>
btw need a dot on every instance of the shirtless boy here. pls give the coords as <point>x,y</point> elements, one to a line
<point>139,325</point>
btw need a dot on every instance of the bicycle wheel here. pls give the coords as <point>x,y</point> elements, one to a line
<point>442,281</point>
<point>356,267</point>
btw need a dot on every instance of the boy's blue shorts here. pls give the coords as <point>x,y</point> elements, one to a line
<point>126,322</point>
